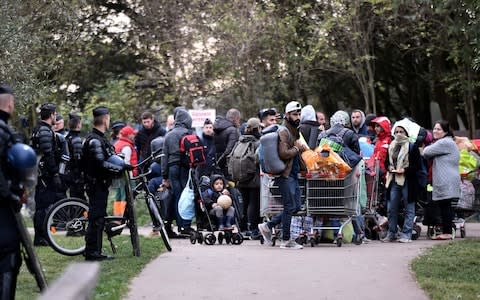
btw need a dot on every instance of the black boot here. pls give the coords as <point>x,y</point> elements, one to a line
<point>94,239</point>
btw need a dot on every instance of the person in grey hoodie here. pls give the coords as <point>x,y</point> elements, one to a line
<point>359,125</point>
<point>174,173</point>
<point>445,174</point>
<point>309,126</point>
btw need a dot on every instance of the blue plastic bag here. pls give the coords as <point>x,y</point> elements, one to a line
<point>186,204</point>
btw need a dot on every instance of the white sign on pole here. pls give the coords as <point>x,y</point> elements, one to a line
<point>199,116</point>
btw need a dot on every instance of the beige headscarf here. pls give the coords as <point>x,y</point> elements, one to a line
<point>402,142</point>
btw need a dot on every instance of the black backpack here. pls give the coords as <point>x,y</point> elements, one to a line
<point>192,151</point>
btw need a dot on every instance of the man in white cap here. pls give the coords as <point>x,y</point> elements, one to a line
<point>289,149</point>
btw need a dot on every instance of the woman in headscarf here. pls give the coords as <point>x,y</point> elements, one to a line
<point>402,163</point>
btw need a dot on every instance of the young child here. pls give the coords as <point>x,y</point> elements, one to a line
<point>224,214</point>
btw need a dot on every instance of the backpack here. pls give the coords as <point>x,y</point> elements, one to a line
<point>335,141</point>
<point>271,163</point>
<point>241,162</point>
<point>192,151</point>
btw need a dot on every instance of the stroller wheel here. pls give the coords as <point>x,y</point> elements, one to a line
<point>193,238</point>
<point>312,242</point>
<point>228,237</point>
<point>210,239</point>
<point>237,238</point>
<point>416,232</point>
<point>262,241</point>
<point>200,238</point>
<point>463,233</point>
<point>220,238</point>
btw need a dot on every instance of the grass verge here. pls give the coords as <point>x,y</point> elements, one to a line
<point>450,271</point>
<point>114,275</point>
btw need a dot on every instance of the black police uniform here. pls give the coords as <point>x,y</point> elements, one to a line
<point>44,142</point>
<point>62,155</point>
<point>98,177</point>
<point>75,182</point>
<point>10,258</point>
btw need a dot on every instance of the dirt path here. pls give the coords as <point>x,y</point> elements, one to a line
<point>252,271</point>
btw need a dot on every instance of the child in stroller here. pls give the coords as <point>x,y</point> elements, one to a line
<point>218,202</point>
<point>215,200</point>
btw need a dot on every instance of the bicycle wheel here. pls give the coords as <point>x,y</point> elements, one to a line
<point>66,225</point>
<point>131,217</point>
<point>152,206</point>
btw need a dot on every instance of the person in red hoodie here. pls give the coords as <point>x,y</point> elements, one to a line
<point>380,152</point>
<point>125,145</point>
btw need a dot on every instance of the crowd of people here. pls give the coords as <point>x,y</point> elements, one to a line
<point>79,166</point>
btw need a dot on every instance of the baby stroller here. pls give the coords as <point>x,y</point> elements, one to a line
<point>205,227</point>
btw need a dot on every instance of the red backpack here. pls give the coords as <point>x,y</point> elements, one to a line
<point>192,151</point>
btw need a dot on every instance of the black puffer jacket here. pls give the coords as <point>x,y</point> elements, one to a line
<point>145,136</point>
<point>9,238</point>
<point>226,135</point>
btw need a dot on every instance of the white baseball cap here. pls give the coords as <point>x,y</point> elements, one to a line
<point>293,106</point>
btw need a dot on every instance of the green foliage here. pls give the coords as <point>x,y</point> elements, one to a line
<point>390,57</point>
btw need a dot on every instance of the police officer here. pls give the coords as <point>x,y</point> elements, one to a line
<point>98,177</point>
<point>10,259</point>
<point>75,180</point>
<point>44,142</point>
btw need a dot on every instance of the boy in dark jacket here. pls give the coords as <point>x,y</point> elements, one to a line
<point>217,188</point>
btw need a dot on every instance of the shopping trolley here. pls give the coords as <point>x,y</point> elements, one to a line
<point>329,198</point>
<point>271,200</point>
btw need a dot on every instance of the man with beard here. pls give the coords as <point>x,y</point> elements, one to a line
<point>289,149</point>
<point>150,130</point>
<point>226,135</point>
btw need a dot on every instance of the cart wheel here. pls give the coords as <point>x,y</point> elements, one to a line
<point>357,239</point>
<point>220,238</point>
<point>339,242</point>
<point>210,239</point>
<point>193,238</point>
<point>237,239</point>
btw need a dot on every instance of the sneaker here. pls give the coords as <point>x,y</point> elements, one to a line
<point>388,239</point>
<point>404,240</point>
<point>290,244</point>
<point>365,240</point>
<point>266,233</point>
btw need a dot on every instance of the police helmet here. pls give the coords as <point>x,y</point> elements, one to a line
<point>21,157</point>
<point>116,160</point>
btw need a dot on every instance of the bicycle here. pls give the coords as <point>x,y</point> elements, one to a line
<point>67,220</point>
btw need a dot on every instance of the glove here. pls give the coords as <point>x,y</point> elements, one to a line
<point>15,202</point>
<point>128,167</point>
<point>57,181</point>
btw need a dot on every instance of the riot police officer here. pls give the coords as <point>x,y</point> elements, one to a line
<point>98,177</point>
<point>10,259</point>
<point>75,181</point>
<point>44,141</point>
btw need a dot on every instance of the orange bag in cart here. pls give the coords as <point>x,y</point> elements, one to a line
<point>310,158</point>
<point>330,164</point>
